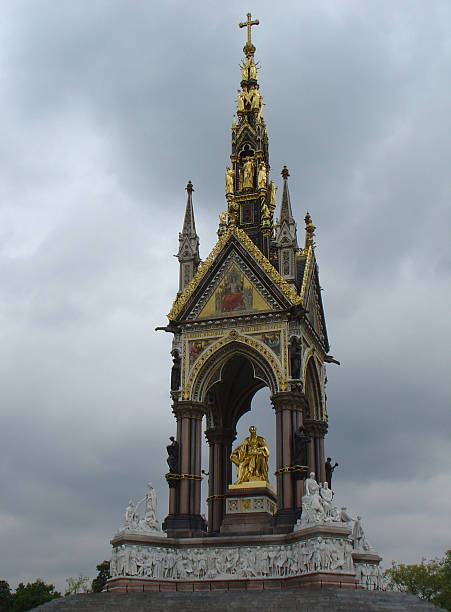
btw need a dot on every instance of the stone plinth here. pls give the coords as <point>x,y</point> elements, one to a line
<point>249,509</point>
<point>315,555</point>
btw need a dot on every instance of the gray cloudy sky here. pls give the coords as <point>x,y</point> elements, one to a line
<point>107,109</point>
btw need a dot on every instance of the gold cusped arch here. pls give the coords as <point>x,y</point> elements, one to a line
<point>209,368</point>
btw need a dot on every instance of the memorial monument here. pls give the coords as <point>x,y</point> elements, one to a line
<point>249,316</point>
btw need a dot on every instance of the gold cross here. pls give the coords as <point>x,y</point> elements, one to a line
<point>248,24</point>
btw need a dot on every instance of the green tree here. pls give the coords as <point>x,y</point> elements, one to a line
<point>77,585</point>
<point>6,597</point>
<point>100,580</point>
<point>430,579</point>
<point>33,594</point>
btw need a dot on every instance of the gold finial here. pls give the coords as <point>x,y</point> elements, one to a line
<point>248,48</point>
<point>285,174</point>
<point>189,188</point>
<point>309,231</point>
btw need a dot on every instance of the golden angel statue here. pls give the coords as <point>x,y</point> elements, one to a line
<point>251,459</point>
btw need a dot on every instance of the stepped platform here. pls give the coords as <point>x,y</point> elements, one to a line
<point>307,600</point>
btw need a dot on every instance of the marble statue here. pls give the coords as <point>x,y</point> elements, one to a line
<point>147,524</point>
<point>150,515</point>
<point>229,180</point>
<point>251,458</point>
<point>262,176</point>
<point>131,519</point>
<point>358,535</point>
<point>344,516</point>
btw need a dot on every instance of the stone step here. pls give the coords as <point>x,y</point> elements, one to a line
<point>307,600</point>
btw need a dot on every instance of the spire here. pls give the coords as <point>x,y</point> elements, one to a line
<point>286,213</point>
<point>249,194</point>
<point>286,229</point>
<point>286,238</point>
<point>189,226</point>
<point>188,253</point>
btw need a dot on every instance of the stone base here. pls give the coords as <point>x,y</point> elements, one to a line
<point>184,526</point>
<point>249,510</point>
<point>311,580</point>
<point>317,555</point>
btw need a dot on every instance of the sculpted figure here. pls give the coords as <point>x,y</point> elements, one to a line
<point>256,100</point>
<point>262,176</point>
<point>301,442</point>
<point>248,174</point>
<point>229,180</point>
<point>233,213</point>
<point>295,357</point>
<point>244,71</point>
<point>240,101</point>
<point>173,455</point>
<point>358,535</point>
<point>151,506</point>
<point>130,515</point>
<point>272,197</point>
<point>251,458</point>
<point>252,70</point>
<point>176,370</point>
<point>329,471</point>
<point>266,215</point>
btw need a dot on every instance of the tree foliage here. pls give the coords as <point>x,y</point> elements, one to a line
<point>103,574</point>
<point>33,594</point>
<point>6,597</point>
<point>77,585</point>
<point>430,579</point>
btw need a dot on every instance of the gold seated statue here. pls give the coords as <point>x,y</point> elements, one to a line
<point>251,460</point>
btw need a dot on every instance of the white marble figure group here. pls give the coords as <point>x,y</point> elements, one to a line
<point>313,554</point>
<point>147,524</point>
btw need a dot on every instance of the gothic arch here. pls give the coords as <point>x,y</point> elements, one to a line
<point>209,371</point>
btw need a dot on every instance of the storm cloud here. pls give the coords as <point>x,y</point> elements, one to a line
<point>107,109</point>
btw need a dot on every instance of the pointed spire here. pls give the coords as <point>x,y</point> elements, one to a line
<point>286,214</point>
<point>189,226</point>
<point>188,253</point>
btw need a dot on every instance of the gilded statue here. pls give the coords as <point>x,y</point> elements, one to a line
<point>262,174</point>
<point>233,211</point>
<point>272,197</point>
<point>229,180</point>
<point>252,70</point>
<point>248,174</point>
<point>266,215</point>
<point>240,100</point>
<point>251,459</point>
<point>256,100</point>
<point>244,71</point>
